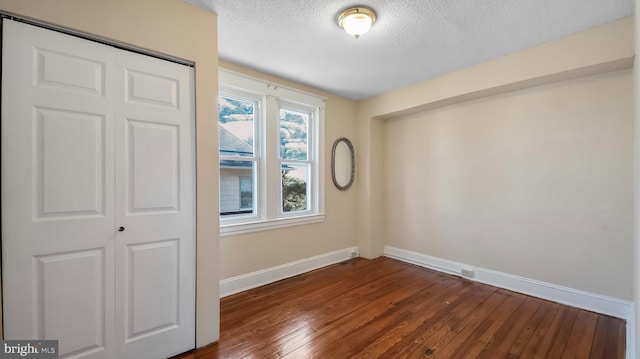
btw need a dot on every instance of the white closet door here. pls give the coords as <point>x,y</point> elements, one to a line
<point>155,259</point>
<point>57,190</point>
<point>80,158</point>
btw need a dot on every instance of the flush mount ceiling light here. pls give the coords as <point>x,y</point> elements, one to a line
<point>356,21</point>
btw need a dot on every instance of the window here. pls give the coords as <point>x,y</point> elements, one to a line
<point>270,158</point>
<point>294,159</point>
<point>238,160</point>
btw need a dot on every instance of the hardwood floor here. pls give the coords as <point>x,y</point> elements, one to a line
<point>384,308</point>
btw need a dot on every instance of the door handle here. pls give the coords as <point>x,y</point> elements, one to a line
<point>121,229</point>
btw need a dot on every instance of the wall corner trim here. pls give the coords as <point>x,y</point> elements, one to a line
<point>259,278</point>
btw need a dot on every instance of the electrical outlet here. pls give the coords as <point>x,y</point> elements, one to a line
<point>467,273</point>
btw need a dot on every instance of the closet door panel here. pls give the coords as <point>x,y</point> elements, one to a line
<point>68,189</point>
<point>57,190</point>
<point>163,293</point>
<point>153,185</point>
<point>80,273</point>
<point>155,203</point>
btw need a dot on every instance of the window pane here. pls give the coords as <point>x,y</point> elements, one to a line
<point>236,119</point>
<point>294,187</point>
<point>293,135</point>
<point>237,194</point>
<point>246,192</point>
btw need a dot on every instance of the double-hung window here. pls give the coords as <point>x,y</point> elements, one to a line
<point>270,156</point>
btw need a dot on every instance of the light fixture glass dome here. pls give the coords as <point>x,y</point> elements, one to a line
<point>357,21</point>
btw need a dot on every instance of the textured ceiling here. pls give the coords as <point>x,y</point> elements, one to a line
<point>411,41</point>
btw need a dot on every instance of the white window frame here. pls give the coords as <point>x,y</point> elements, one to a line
<point>268,214</point>
<point>257,157</point>
<point>311,155</point>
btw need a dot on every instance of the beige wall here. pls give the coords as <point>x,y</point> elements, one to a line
<point>174,28</point>
<point>524,164</point>
<point>536,183</point>
<point>247,253</point>
<point>601,49</point>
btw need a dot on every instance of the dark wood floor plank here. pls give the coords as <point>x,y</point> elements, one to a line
<point>435,331</point>
<point>505,337</point>
<point>337,330</point>
<point>341,326</point>
<point>384,308</point>
<point>334,282</point>
<point>302,291</point>
<point>527,333</point>
<point>479,338</point>
<point>581,338</point>
<point>462,332</point>
<point>561,338</point>
<point>622,337</point>
<point>334,307</point>
<point>599,339</point>
<point>413,317</point>
<point>611,339</point>
<point>335,323</point>
<point>373,289</point>
<point>357,340</point>
<point>542,337</point>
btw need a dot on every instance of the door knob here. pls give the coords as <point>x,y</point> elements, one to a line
<point>121,229</point>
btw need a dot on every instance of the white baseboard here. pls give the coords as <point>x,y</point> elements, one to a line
<point>598,303</point>
<point>259,278</point>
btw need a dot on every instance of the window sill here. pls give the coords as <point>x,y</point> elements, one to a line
<point>227,230</point>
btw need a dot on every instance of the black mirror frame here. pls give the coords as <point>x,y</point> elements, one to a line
<point>333,163</point>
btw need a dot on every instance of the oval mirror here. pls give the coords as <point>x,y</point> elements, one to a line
<point>343,163</point>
